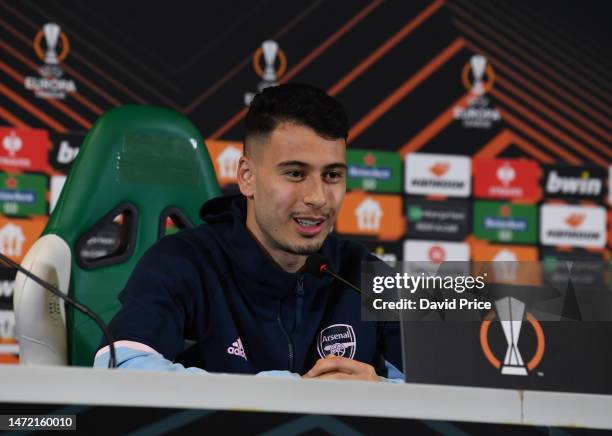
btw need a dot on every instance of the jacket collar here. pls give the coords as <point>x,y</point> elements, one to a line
<point>251,262</point>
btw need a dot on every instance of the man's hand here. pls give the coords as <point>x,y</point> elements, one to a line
<point>341,368</point>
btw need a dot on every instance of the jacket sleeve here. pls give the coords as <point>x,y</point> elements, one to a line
<point>130,358</point>
<point>160,299</point>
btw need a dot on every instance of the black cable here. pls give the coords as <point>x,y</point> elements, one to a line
<point>112,363</point>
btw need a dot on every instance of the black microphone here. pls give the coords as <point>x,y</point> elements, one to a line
<point>317,265</point>
<point>112,363</point>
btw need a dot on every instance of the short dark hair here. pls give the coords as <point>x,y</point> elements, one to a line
<point>296,103</point>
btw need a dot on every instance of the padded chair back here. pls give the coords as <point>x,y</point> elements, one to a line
<point>137,167</point>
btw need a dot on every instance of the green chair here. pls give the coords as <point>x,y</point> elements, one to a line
<point>138,168</point>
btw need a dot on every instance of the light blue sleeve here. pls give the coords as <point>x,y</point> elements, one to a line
<point>394,375</point>
<point>128,358</point>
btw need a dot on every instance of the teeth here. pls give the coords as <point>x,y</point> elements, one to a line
<point>308,222</point>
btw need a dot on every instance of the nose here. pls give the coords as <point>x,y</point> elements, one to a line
<point>315,194</point>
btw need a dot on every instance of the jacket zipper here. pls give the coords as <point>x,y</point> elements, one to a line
<point>298,317</point>
<point>299,304</point>
<point>289,344</point>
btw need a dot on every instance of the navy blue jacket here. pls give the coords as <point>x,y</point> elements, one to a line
<point>214,287</point>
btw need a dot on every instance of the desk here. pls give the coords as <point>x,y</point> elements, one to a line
<point>99,387</point>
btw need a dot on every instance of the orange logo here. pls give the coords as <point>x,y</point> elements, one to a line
<point>439,168</point>
<point>225,156</point>
<point>17,235</point>
<point>372,215</point>
<point>55,41</point>
<point>485,252</point>
<point>512,347</point>
<point>269,53</point>
<point>506,263</point>
<point>575,219</point>
<point>482,75</point>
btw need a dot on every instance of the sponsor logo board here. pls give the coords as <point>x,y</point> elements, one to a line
<point>7,286</point>
<point>23,194</point>
<point>585,268</point>
<point>610,186</point>
<point>372,215</point>
<point>388,252</point>
<point>505,222</point>
<point>65,149</point>
<point>507,179</point>
<point>375,171</point>
<point>24,149</point>
<point>568,225</point>
<point>436,251</point>
<point>574,183</point>
<point>225,156</point>
<point>8,344</point>
<point>437,219</point>
<point>56,184</point>
<point>438,174</point>
<point>485,252</point>
<point>17,235</point>
<point>514,264</point>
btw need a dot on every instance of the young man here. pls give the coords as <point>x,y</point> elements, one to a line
<point>233,288</point>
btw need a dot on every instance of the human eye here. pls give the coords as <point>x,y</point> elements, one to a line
<point>294,174</point>
<point>333,176</point>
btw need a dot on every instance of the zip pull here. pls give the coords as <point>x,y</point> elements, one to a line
<point>299,301</point>
<point>300,285</point>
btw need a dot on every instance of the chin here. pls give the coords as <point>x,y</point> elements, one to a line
<point>304,249</point>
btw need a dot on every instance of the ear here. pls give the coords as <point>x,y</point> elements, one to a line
<point>246,177</point>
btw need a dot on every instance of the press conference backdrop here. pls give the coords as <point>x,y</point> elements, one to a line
<point>478,130</point>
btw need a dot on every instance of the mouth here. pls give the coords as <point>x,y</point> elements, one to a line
<point>309,226</point>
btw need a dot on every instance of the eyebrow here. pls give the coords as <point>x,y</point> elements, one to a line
<point>297,163</point>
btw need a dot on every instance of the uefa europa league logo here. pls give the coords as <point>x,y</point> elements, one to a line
<point>510,312</point>
<point>478,64</point>
<point>265,59</point>
<point>270,50</point>
<point>52,32</point>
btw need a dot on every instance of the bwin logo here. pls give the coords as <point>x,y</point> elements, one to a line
<point>66,153</point>
<point>6,288</point>
<point>583,185</point>
<point>337,339</point>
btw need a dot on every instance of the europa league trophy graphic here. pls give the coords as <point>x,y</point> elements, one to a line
<point>270,50</point>
<point>52,32</point>
<point>478,64</point>
<point>510,312</point>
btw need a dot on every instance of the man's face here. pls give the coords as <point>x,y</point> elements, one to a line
<point>296,186</point>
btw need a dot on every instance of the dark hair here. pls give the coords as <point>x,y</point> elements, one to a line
<point>296,103</point>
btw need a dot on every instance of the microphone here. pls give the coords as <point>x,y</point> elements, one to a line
<point>317,265</point>
<point>112,363</point>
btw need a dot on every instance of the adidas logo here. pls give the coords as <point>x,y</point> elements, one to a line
<point>236,349</point>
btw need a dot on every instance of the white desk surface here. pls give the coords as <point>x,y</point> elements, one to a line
<point>86,386</point>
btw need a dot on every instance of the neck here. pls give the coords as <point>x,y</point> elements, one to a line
<point>289,262</point>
